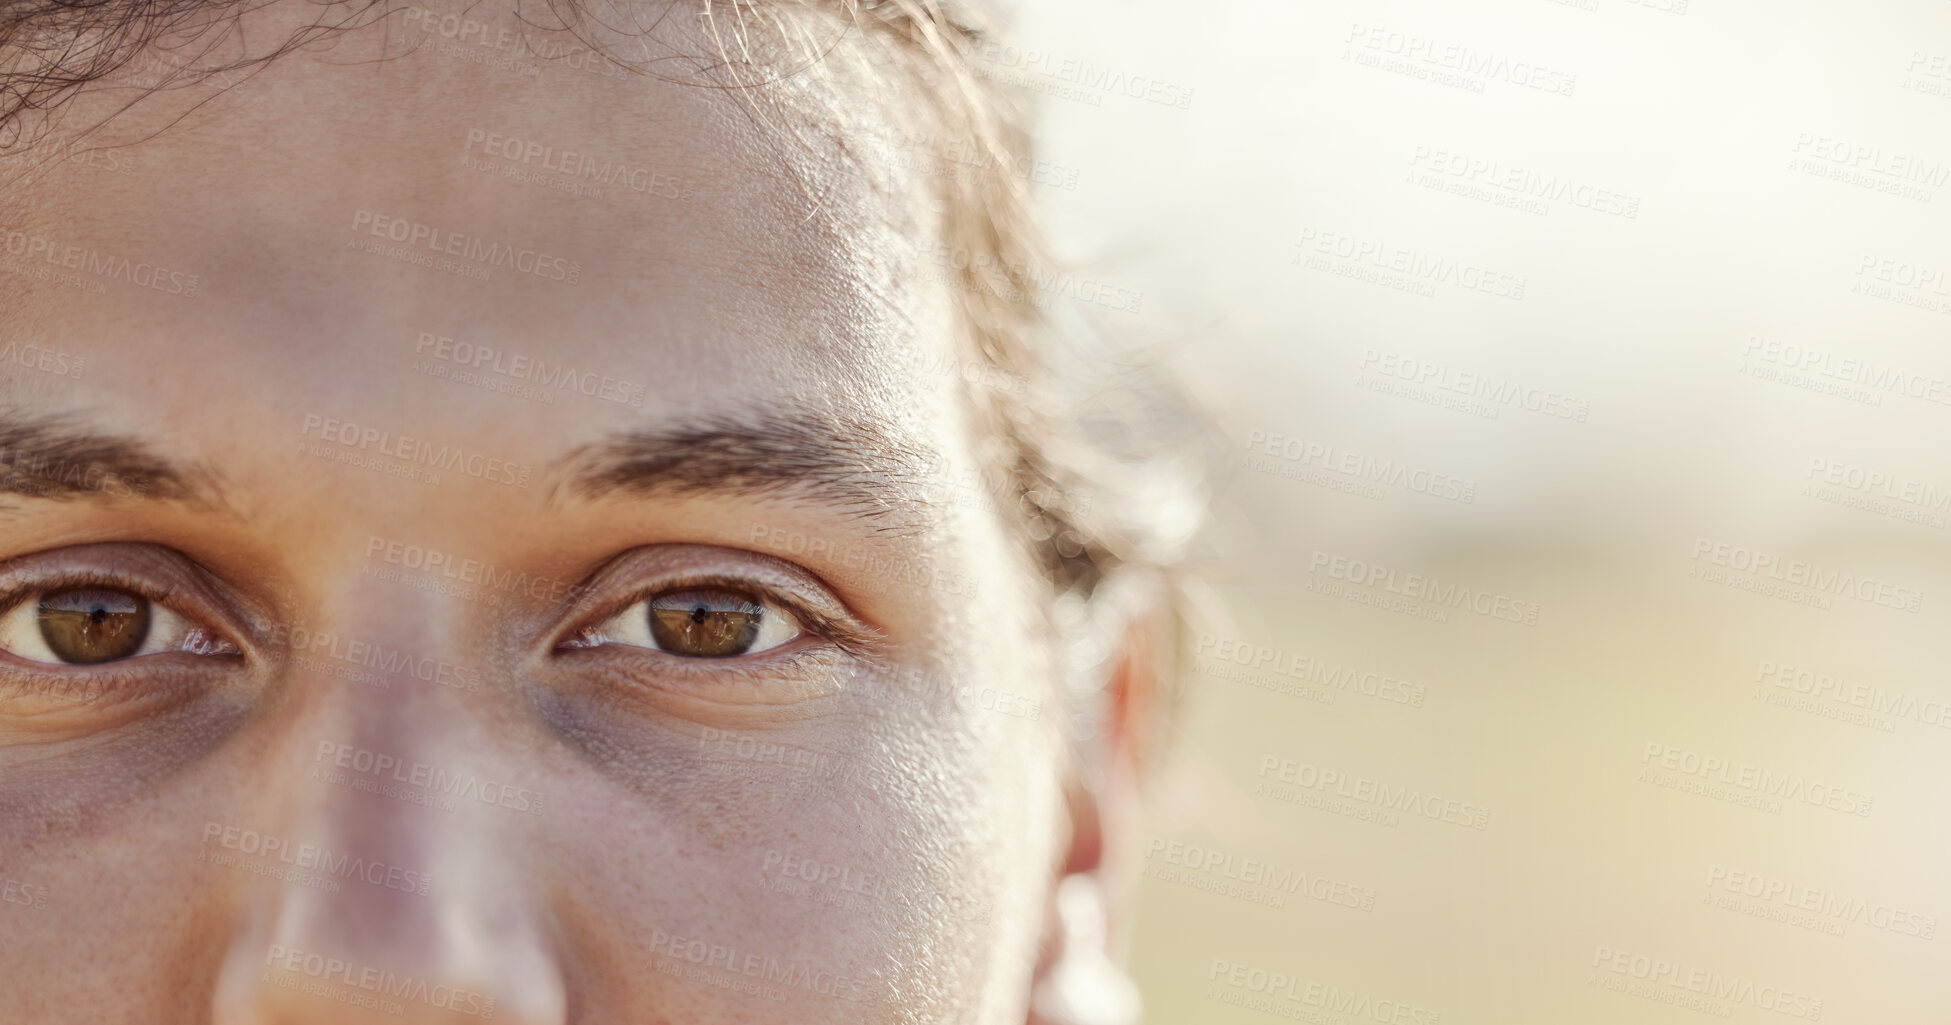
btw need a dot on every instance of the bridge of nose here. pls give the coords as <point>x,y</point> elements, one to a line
<point>388,835</point>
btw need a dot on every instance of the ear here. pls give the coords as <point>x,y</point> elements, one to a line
<point>1079,978</point>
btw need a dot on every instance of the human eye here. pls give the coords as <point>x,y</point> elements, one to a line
<point>694,626</point>
<point>91,618</point>
<point>92,636</point>
<point>711,621</point>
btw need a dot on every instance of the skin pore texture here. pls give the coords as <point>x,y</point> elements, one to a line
<point>399,795</point>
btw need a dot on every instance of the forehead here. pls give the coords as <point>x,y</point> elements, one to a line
<point>322,224</point>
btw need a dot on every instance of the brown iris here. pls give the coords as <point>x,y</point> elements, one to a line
<point>88,624</point>
<point>705,624</point>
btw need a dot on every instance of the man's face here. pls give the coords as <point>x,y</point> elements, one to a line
<point>494,537</point>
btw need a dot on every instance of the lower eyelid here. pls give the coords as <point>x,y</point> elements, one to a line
<point>777,678</point>
<point>62,703</point>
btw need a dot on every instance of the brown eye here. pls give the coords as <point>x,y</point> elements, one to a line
<point>697,622</point>
<point>705,624</point>
<point>85,625</point>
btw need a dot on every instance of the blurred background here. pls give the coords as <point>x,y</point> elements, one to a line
<point>1581,598</point>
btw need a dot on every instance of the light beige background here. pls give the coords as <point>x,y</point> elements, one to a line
<point>1789,166</point>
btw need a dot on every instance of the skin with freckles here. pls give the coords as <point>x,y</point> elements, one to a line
<point>416,425</point>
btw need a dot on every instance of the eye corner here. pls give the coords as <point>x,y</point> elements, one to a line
<point>79,620</point>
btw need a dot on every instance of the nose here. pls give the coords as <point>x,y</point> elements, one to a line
<point>398,893</point>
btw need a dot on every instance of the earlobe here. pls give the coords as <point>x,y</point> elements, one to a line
<point>1080,984</point>
<point>1079,981</point>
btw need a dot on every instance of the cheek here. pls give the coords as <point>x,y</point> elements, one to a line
<point>873,865</point>
<point>138,925</point>
<point>108,901</point>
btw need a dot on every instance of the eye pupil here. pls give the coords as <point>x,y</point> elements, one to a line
<point>84,625</point>
<point>712,624</point>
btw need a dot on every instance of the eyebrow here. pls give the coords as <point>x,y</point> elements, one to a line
<point>60,457</point>
<point>862,465</point>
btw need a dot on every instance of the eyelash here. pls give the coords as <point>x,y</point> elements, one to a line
<point>103,676</point>
<point>846,639</point>
<point>66,578</point>
<point>814,622</point>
